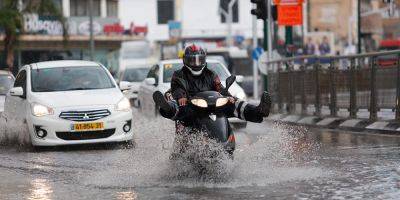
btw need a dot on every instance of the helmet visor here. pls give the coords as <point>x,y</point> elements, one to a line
<point>196,62</point>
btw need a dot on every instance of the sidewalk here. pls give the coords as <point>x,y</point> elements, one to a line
<point>386,122</point>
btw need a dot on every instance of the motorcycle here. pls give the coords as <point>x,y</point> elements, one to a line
<point>210,120</point>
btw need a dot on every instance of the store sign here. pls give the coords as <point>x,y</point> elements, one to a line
<point>47,25</point>
<point>290,15</point>
<point>44,25</point>
<point>175,29</point>
<point>84,28</point>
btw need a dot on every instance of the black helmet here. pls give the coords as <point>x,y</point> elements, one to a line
<point>194,59</point>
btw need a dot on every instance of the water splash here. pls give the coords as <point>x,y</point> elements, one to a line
<point>13,133</point>
<point>281,154</point>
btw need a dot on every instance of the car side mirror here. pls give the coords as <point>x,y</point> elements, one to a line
<point>229,81</point>
<point>17,92</point>
<point>150,81</point>
<point>124,85</point>
<point>239,78</point>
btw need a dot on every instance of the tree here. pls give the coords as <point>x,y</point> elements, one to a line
<point>11,21</point>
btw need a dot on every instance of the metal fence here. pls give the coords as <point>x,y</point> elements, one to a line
<point>326,85</point>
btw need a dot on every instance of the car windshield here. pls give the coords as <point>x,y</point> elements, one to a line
<point>217,68</point>
<point>70,78</point>
<point>6,82</point>
<point>135,74</point>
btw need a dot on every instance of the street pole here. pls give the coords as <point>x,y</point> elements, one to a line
<point>288,38</point>
<point>230,21</point>
<point>269,18</point>
<point>255,63</point>
<point>358,26</point>
<point>91,30</point>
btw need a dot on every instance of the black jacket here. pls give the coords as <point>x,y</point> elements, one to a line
<point>207,81</point>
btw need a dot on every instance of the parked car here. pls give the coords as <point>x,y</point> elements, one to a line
<point>133,76</point>
<point>69,102</point>
<point>6,82</point>
<point>159,79</point>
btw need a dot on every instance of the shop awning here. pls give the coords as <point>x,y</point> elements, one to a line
<point>56,42</point>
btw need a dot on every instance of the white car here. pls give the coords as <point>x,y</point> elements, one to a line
<point>6,82</point>
<point>159,79</point>
<point>69,102</point>
<point>133,76</point>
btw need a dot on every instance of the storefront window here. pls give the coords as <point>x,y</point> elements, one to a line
<point>25,3</point>
<point>112,8</point>
<point>81,8</point>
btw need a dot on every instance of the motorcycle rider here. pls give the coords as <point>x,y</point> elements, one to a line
<point>195,77</point>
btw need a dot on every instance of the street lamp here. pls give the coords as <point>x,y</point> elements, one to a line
<point>91,30</point>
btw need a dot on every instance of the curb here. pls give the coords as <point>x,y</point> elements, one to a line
<point>347,124</point>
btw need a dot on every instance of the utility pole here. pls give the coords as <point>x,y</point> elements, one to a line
<point>269,29</point>
<point>91,30</point>
<point>228,14</point>
<point>255,63</point>
<point>358,26</point>
<point>261,13</point>
<point>288,38</point>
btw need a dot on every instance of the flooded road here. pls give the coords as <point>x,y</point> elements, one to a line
<point>272,161</point>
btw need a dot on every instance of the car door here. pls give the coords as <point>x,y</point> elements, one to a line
<point>14,107</point>
<point>146,99</point>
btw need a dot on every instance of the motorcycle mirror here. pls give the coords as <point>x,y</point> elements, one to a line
<point>230,80</point>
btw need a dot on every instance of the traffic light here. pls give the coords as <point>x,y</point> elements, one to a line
<point>261,9</point>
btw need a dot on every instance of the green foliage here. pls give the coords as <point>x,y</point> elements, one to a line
<point>11,20</point>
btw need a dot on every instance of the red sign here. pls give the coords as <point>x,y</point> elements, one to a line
<point>113,28</point>
<point>290,15</point>
<point>281,2</point>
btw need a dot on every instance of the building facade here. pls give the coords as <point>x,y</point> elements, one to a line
<point>43,35</point>
<point>340,18</point>
<point>199,19</point>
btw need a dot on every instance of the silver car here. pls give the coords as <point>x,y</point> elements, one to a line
<point>6,83</point>
<point>159,79</point>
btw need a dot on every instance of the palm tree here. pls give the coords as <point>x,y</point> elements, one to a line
<point>11,21</point>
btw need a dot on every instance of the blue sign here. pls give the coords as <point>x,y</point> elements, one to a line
<point>174,25</point>
<point>175,29</point>
<point>257,53</point>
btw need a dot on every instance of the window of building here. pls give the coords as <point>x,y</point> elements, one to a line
<point>224,4</point>
<point>165,11</point>
<point>58,4</point>
<point>112,8</point>
<point>81,8</point>
<point>25,3</point>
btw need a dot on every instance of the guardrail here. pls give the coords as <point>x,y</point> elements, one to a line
<point>344,84</point>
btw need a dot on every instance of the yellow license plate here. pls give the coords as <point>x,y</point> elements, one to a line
<point>88,126</point>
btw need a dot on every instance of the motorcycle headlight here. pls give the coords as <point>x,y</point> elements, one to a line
<point>39,110</point>
<point>200,103</point>
<point>123,105</point>
<point>221,102</point>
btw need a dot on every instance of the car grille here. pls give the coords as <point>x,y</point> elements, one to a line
<point>82,116</point>
<point>86,135</point>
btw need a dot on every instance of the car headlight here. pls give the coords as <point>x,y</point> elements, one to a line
<point>200,103</point>
<point>241,95</point>
<point>123,105</point>
<point>39,110</point>
<point>221,102</point>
